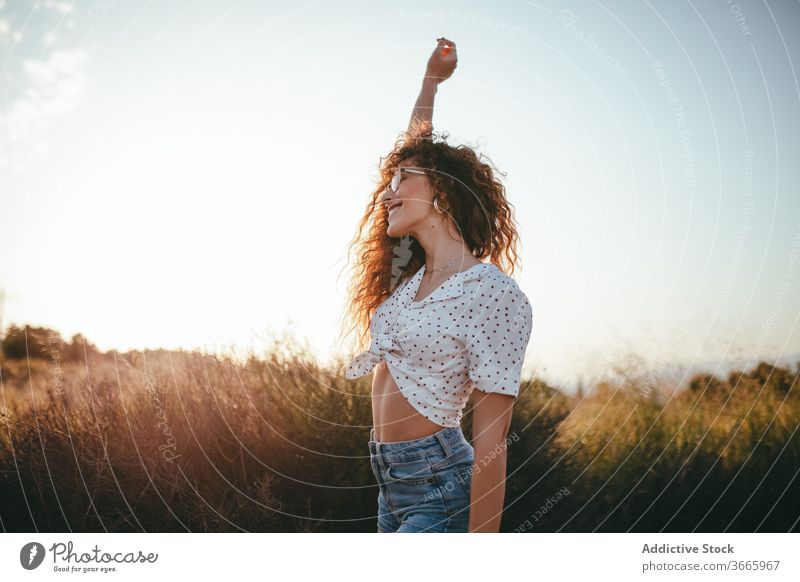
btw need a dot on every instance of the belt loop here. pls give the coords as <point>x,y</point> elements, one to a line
<point>448,450</point>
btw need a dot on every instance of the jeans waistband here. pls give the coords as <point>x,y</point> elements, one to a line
<point>447,440</point>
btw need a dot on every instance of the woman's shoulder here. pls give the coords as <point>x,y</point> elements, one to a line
<point>492,284</point>
<point>491,276</point>
<point>494,295</point>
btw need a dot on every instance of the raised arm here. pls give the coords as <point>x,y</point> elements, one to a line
<point>441,64</point>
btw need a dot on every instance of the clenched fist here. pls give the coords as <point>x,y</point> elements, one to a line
<point>443,61</point>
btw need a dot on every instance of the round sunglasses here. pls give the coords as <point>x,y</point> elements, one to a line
<point>395,183</point>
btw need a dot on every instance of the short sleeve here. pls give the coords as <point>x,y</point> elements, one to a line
<point>496,345</point>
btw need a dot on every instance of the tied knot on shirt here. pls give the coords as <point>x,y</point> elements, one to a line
<point>382,343</point>
<point>379,346</point>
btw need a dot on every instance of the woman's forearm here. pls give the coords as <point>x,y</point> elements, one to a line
<point>423,108</point>
<point>487,491</point>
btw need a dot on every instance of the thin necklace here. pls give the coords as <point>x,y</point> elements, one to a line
<point>443,268</point>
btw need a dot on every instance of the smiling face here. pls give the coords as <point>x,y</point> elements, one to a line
<point>411,204</point>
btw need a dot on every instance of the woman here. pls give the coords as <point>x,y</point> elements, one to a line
<point>442,322</point>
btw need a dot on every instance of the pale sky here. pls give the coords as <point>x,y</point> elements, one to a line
<point>190,173</point>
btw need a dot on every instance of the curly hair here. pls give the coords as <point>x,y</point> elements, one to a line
<point>469,194</point>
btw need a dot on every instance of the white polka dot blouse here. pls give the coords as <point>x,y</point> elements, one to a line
<point>470,332</point>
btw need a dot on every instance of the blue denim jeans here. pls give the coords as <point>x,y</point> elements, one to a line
<point>423,484</point>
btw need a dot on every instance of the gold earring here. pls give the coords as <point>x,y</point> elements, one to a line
<point>436,206</point>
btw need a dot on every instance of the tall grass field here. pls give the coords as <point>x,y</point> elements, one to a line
<point>171,441</point>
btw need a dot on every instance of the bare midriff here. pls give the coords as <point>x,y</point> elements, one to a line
<point>393,416</point>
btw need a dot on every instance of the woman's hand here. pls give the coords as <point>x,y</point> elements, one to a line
<point>441,65</point>
<point>442,62</point>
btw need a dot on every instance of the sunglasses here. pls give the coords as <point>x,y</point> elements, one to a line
<point>395,183</point>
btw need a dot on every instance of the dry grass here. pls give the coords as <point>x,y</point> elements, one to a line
<point>180,441</point>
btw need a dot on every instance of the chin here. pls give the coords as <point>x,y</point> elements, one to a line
<point>395,231</point>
